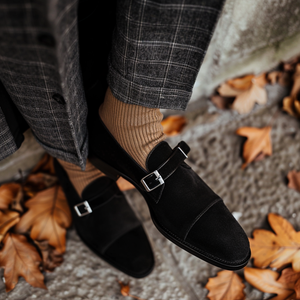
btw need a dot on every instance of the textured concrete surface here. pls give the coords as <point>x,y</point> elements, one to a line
<point>216,156</point>
<point>24,159</point>
<point>250,37</point>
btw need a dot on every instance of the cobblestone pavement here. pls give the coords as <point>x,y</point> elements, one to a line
<point>216,156</point>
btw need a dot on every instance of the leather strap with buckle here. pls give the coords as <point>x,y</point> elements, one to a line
<point>164,171</point>
<point>86,207</point>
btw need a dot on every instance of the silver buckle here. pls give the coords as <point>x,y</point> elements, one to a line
<point>158,179</point>
<point>86,207</point>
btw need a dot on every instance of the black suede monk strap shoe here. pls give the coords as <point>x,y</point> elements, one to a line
<point>183,208</point>
<point>107,225</point>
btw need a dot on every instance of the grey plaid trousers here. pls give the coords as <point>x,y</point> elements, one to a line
<point>157,50</point>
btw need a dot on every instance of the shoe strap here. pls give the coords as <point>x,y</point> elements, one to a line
<point>89,205</point>
<point>158,177</point>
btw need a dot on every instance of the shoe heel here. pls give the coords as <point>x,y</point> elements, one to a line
<point>104,167</point>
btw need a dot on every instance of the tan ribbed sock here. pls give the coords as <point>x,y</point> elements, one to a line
<point>137,128</point>
<point>80,179</point>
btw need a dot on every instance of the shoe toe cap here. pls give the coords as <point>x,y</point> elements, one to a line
<point>219,236</point>
<point>132,252</point>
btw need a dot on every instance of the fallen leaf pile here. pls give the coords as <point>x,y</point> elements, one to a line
<point>34,215</point>
<point>286,285</point>
<point>279,250</point>
<point>242,93</point>
<point>276,250</point>
<point>246,91</point>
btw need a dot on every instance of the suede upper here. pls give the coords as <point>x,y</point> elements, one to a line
<point>184,208</point>
<point>112,230</point>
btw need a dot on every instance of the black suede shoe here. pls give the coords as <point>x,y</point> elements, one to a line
<point>107,225</point>
<point>183,208</point>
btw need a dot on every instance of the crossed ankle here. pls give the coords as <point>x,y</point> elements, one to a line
<point>136,128</point>
<point>81,179</point>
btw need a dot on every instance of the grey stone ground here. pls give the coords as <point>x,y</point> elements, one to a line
<point>250,194</point>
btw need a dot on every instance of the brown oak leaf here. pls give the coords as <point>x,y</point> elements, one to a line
<point>20,258</point>
<point>38,182</point>
<point>51,258</point>
<point>11,196</point>
<point>227,285</point>
<point>45,165</point>
<point>258,141</point>
<point>261,80</point>
<point>294,180</point>
<point>241,83</point>
<point>244,102</point>
<point>8,219</point>
<point>173,125</point>
<point>279,249</point>
<point>248,90</point>
<point>48,216</point>
<point>225,90</point>
<point>285,286</point>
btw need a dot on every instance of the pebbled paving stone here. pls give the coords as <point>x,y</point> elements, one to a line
<point>250,195</point>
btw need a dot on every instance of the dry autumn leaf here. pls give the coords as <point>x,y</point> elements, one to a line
<point>226,286</point>
<point>173,125</point>
<point>285,286</point>
<point>279,249</point>
<point>20,258</point>
<point>260,80</point>
<point>221,102</point>
<point>296,86</point>
<point>45,165</point>
<point>290,65</point>
<point>51,258</point>
<point>248,90</point>
<point>38,182</point>
<point>11,196</point>
<point>48,216</point>
<point>125,289</point>
<point>124,185</point>
<point>244,102</point>
<point>241,83</point>
<point>294,180</point>
<point>285,79</point>
<point>8,219</point>
<point>274,76</point>
<point>258,141</point>
<point>225,90</point>
<point>291,104</point>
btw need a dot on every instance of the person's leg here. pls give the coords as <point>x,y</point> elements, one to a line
<point>156,55</point>
<point>137,128</point>
<point>158,47</point>
<point>81,179</point>
<point>101,214</point>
